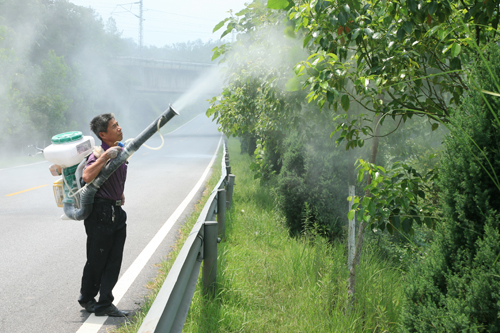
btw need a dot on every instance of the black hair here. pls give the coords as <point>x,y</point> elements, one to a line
<point>100,123</point>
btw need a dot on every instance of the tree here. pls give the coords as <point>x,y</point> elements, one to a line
<point>397,59</point>
<point>257,67</point>
<point>456,288</point>
<point>393,58</point>
<point>261,100</point>
<point>56,69</point>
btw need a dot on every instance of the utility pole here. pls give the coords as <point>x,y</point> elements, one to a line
<point>140,26</point>
<point>140,17</point>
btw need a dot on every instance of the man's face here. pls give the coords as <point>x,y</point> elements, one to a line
<point>114,133</point>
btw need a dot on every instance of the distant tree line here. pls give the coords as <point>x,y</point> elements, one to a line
<point>57,69</point>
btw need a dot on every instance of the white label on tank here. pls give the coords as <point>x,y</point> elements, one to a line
<point>83,147</point>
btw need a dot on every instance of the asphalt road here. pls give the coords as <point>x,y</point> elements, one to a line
<point>42,256</point>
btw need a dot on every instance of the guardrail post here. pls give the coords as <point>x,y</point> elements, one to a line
<point>228,169</point>
<point>210,258</point>
<point>221,212</point>
<point>230,186</point>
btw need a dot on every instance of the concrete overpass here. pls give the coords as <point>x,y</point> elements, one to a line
<point>161,76</point>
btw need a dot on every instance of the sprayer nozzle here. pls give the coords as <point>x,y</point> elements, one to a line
<point>171,108</point>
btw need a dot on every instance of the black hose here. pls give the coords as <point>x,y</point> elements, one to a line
<point>87,194</point>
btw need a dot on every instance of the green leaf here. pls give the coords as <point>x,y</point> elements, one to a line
<point>455,49</point>
<point>371,208</point>
<point>401,34</point>
<point>361,173</point>
<point>220,25</point>
<point>395,220</point>
<point>433,30</point>
<point>277,4</point>
<point>330,96</point>
<point>351,215</point>
<point>345,102</point>
<point>355,33</point>
<point>210,112</point>
<point>361,143</point>
<point>441,34</point>
<point>216,55</point>
<point>333,57</point>
<point>408,26</point>
<point>455,63</point>
<point>306,40</point>
<point>407,223</point>
<point>435,126</point>
<point>433,7</point>
<point>412,4</point>
<point>342,18</point>
<point>230,27</point>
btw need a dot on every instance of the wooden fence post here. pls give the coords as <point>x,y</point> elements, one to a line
<point>352,230</point>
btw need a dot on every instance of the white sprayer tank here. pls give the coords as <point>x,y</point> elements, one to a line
<point>68,149</point>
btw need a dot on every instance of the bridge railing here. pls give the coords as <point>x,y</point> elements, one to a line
<point>162,63</point>
<point>170,308</point>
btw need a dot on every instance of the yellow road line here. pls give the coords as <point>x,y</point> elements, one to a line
<point>30,189</point>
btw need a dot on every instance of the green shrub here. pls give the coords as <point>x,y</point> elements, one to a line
<point>248,143</point>
<point>313,185</point>
<point>457,287</point>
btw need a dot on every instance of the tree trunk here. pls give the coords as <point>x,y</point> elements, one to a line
<point>361,232</point>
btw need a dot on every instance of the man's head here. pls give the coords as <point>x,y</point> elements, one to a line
<point>106,128</point>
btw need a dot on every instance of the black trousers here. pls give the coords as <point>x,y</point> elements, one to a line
<point>106,230</point>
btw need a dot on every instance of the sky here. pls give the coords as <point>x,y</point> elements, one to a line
<point>166,21</point>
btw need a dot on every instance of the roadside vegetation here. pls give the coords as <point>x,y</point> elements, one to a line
<point>398,99</point>
<point>271,282</point>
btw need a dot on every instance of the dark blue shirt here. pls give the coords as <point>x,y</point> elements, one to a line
<point>113,187</point>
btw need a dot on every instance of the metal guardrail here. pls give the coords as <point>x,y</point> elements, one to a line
<point>170,308</point>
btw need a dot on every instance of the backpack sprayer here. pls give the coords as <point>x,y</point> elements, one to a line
<point>68,152</point>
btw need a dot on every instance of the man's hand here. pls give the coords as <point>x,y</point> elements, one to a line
<point>112,152</point>
<point>123,199</point>
<point>90,172</point>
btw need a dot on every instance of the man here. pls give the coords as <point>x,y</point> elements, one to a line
<point>106,225</point>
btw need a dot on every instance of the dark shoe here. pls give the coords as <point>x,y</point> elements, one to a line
<point>89,306</point>
<point>112,311</point>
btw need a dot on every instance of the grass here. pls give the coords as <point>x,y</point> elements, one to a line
<point>269,282</point>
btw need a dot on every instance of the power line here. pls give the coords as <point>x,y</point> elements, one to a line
<point>203,26</point>
<point>194,17</point>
